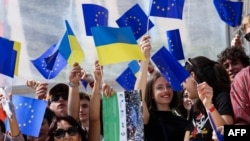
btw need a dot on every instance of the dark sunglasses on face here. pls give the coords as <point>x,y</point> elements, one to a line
<point>57,97</point>
<point>60,133</point>
<point>247,36</point>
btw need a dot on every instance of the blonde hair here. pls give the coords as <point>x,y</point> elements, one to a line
<point>245,23</point>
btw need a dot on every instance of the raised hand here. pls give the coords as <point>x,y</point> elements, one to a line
<point>41,88</point>
<point>76,74</point>
<point>205,94</point>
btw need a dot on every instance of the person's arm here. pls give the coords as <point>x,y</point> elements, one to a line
<point>15,133</point>
<point>95,106</point>
<point>141,80</point>
<point>236,42</point>
<point>206,94</point>
<point>40,88</point>
<point>74,98</point>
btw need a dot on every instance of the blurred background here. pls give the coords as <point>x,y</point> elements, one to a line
<point>40,23</point>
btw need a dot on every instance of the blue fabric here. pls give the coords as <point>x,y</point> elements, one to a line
<point>7,57</point>
<point>94,15</point>
<point>126,79</point>
<point>167,8</point>
<point>50,63</point>
<point>29,114</point>
<point>170,68</point>
<point>230,12</point>
<point>134,66</point>
<point>136,18</point>
<point>174,44</point>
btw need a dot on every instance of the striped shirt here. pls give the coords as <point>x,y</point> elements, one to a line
<point>240,96</point>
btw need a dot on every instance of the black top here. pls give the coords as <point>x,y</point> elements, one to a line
<point>165,126</point>
<point>200,127</point>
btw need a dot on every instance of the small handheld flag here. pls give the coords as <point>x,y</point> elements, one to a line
<point>170,68</point>
<point>94,15</point>
<point>167,8</point>
<point>229,11</point>
<point>174,44</point>
<point>136,18</point>
<point>115,45</point>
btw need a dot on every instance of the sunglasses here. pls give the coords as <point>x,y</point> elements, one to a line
<point>60,133</point>
<point>57,97</point>
<point>247,36</point>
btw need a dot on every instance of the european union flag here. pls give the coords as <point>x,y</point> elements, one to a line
<point>50,63</point>
<point>94,15</point>
<point>134,66</point>
<point>115,45</point>
<point>167,8</point>
<point>9,58</point>
<point>136,18</point>
<point>84,83</point>
<point>174,44</point>
<point>29,114</point>
<point>127,79</point>
<point>230,12</point>
<point>170,68</point>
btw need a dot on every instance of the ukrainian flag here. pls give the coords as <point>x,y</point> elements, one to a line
<point>77,54</point>
<point>115,45</point>
<point>69,47</point>
<point>9,58</point>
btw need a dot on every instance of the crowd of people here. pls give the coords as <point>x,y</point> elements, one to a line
<point>218,88</point>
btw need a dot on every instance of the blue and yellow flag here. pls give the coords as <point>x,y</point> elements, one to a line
<point>115,45</point>
<point>134,66</point>
<point>94,15</point>
<point>229,11</point>
<point>77,54</point>
<point>167,8</point>
<point>9,58</point>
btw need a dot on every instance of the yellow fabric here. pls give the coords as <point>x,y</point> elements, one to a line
<point>118,52</point>
<point>17,48</point>
<point>77,54</point>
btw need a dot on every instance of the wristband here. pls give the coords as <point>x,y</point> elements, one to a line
<point>211,109</point>
<point>71,84</point>
<point>91,84</point>
<point>151,70</point>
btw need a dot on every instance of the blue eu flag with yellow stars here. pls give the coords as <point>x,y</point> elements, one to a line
<point>127,79</point>
<point>174,44</point>
<point>167,8</point>
<point>230,12</point>
<point>94,15</point>
<point>136,18</point>
<point>29,114</point>
<point>50,63</point>
<point>170,68</point>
